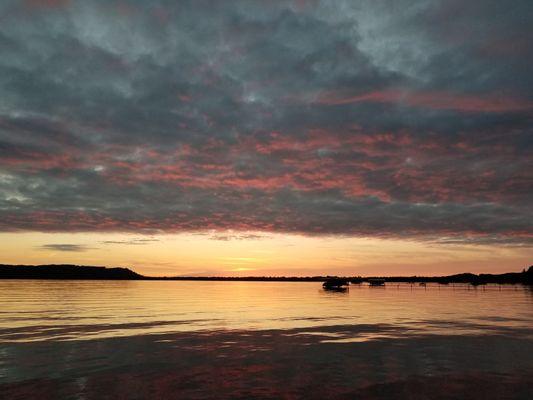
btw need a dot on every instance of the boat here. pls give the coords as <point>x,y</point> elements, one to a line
<point>376,282</point>
<point>337,284</point>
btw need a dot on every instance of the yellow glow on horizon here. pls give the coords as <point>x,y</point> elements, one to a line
<point>242,269</point>
<point>261,254</point>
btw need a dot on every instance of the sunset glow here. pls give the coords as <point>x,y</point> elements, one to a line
<point>266,138</point>
<point>258,199</point>
<point>258,254</point>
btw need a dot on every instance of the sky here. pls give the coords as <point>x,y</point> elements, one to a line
<point>298,137</point>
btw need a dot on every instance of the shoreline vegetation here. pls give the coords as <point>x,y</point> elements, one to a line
<point>81,272</point>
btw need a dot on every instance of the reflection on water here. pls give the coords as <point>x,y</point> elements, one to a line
<point>268,340</point>
<point>66,310</point>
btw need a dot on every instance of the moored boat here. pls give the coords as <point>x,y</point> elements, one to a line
<point>335,284</point>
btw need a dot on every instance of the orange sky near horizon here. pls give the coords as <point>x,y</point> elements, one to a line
<point>259,254</point>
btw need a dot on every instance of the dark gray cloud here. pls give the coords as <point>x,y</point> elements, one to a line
<point>75,248</point>
<point>370,118</point>
<point>131,242</point>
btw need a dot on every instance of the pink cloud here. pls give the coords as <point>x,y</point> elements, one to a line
<point>433,100</point>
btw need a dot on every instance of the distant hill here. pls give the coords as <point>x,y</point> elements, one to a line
<point>65,271</point>
<point>525,277</point>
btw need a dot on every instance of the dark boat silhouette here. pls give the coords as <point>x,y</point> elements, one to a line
<point>336,284</point>
<point>376,282</point>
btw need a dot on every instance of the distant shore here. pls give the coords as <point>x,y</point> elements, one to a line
<point>82,272</point>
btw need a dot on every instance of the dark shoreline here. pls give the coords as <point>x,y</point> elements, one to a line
<point>78,272</point>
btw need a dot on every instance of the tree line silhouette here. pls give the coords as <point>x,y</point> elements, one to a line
<point>69,271</point>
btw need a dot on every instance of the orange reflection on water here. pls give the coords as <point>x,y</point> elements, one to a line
<point>69,310</point>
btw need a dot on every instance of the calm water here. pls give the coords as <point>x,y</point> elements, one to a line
<point>70,337</point>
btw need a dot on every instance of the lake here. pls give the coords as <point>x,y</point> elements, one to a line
<point>266,340</point>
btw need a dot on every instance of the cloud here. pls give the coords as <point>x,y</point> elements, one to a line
<point>75,248</point>
<point>235,236</point>
<point>353,118</point>
<point>433,100</point>
<point>131,242</point>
